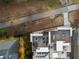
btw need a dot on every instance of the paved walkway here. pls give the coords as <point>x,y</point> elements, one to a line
<point>41,15</point>
<point>66,19</point>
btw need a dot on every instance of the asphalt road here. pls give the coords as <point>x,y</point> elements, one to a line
<point>41,15</point>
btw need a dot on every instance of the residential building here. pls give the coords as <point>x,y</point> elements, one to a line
<point>55,43</point>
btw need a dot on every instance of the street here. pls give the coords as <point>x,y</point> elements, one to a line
<point>41,15</point>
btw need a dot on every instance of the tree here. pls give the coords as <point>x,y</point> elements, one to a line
<point>7,1</point>
<point>28,47</point>
<point>3,32</point>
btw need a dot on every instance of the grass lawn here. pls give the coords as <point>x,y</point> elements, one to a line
<point>54,4</point>
<point>47,3</point>
<point>76,1</point>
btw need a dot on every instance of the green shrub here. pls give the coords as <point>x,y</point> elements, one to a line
<point>28,46</point>
<point>3,31</point>
<point>53,4</point>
